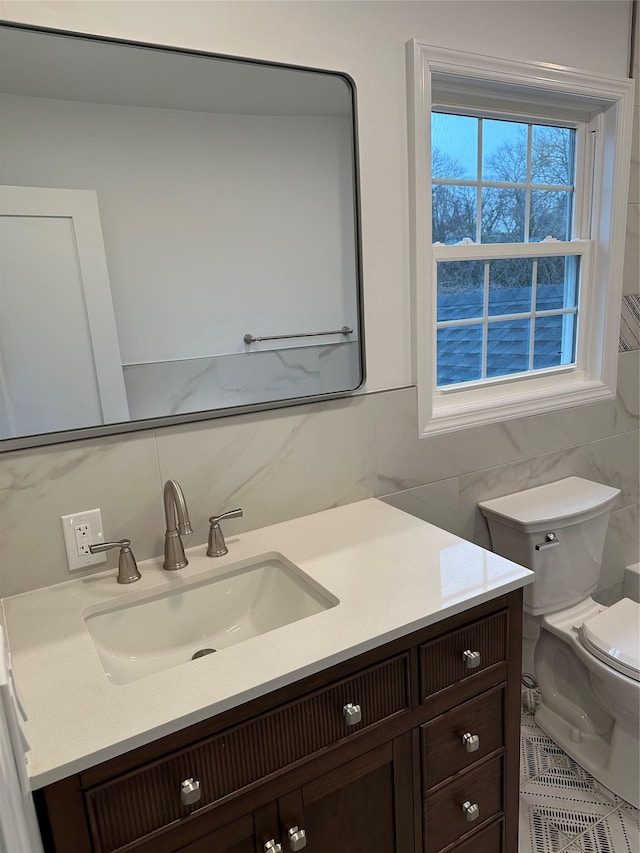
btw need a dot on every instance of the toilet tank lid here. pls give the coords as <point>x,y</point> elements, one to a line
<point>615,632</point>
<point>571,499</point>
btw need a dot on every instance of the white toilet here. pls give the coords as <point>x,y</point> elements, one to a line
<point>586,658</point>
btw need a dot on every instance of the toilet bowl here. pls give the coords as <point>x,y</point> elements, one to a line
<point>586,657</point>
<point>591,698</point>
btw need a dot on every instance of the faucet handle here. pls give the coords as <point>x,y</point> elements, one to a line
<point>127,566</point>
<point>217,545</point>
<point>232,513</point>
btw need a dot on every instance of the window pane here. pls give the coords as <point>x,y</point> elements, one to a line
<point>504,151</point>
<point>557,283</point>
<point>502,215</point>
<point>550,215</point>
<point>454,213</point>
<point>508,347</point>
<point>460,290</point>
<point>554,341</point>
<point>459,357</point>
<point>552,156</point>
<point>510,286</point>
<point>454,146</point>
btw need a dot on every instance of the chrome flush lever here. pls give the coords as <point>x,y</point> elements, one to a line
<point>550,541</point>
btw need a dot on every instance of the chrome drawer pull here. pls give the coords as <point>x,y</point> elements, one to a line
<point>190,791</point>
<point>550,540</point>
<point>297,838</point>
<point>470,810</point>
<point>272,846</point>
<point>471,742</point>
<point>471,659</point>
<point>352,714</point>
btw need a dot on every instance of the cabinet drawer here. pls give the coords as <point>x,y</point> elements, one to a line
<point>148,799</point>
<point>488,840</point>
<point>444,662</point>
<point>445,750</point>
<point>445,819</point>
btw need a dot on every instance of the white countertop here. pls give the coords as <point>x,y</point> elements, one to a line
<point>391,572</point>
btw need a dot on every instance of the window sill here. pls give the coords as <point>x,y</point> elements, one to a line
<point>449,414</point>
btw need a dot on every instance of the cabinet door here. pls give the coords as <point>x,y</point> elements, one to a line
<point>365,806</point>
<point>248,834</point>
<point>236,837</point>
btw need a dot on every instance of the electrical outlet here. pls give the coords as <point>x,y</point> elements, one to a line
<point>80,530</point>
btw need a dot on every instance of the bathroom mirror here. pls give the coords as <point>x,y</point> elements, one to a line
<point>180,236</point>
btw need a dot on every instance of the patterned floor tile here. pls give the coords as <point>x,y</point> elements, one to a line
<point>528,725</point>
<point>588,780</point>
<point>633,813</point>
<point>617,833</point>
<point>536,834</point>
<point>563,809</point>
<point>566,800</point>
<point>542,741</point>
<point>533,760</point>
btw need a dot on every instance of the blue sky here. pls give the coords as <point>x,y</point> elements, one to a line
<point>458,137</point>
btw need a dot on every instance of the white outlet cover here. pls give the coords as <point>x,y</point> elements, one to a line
<point>89,517</point>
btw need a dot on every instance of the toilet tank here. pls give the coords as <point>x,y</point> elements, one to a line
<point>557,530</point>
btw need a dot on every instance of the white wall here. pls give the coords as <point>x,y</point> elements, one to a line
<point>290,462</point>
<point>196,256</point>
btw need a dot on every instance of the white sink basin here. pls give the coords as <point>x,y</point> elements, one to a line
<point>145,634</point>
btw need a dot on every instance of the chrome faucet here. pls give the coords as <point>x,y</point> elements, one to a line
<point>175,504</point>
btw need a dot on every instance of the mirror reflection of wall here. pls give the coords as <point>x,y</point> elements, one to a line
<point>225,208</point>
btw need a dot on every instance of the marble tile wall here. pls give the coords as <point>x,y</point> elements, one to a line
<point>442,479</point>
<point>275,465</point>
<point>290,462</point>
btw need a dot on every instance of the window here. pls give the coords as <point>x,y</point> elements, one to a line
<point>519,193</point>
<point>499,181</point>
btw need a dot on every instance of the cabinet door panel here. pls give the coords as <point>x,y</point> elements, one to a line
<point>356,808</point>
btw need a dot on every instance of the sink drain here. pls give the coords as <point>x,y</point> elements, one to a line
<point>202,652</point>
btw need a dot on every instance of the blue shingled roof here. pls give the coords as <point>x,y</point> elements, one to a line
<point>460,348</point>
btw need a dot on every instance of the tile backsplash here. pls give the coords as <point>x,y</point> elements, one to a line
<point>290,462</point>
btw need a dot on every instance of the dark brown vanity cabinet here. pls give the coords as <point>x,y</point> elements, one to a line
<point>410,748</point>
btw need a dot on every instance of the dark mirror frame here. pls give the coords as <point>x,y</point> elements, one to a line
<point>43,439</point>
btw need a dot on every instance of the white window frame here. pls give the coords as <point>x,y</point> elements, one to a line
<point>602,109</point>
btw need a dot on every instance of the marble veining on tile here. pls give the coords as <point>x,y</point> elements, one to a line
<point>275,465</point>
<point>38,486</point>
<point>406,461</point>
<point>616,462</point>
<point>628,393</point>
<point>514,477</point>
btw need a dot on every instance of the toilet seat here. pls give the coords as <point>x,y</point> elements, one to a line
<point>613,636</point>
